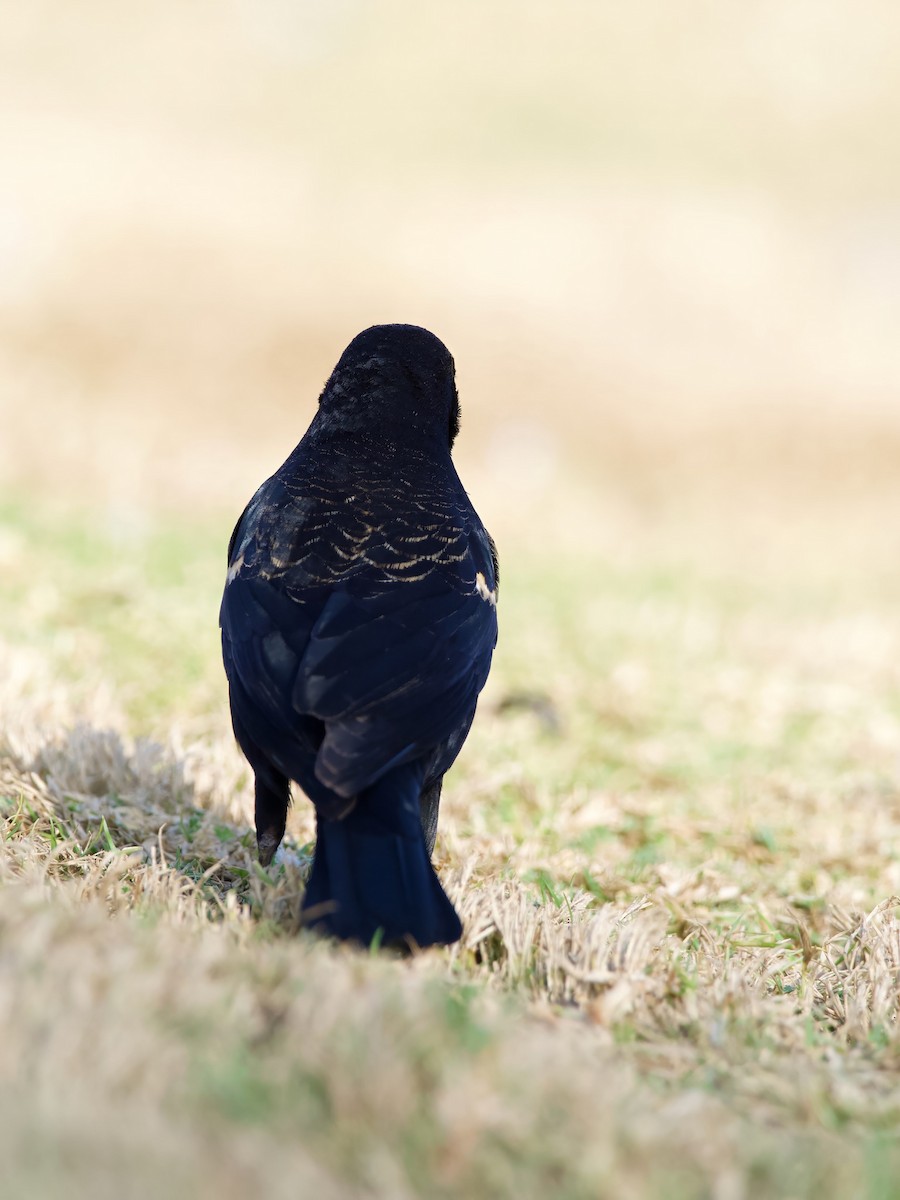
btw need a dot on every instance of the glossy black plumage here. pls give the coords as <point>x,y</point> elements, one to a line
<point>358,623</point>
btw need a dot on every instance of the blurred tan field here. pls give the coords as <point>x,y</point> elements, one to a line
<point>663,243</point>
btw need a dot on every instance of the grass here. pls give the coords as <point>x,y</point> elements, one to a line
<point>672,839</point>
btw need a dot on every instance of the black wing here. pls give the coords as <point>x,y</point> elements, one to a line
<point>363,662</point>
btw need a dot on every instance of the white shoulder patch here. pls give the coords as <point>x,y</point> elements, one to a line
<point>234,569</point>
<point>483,591</point>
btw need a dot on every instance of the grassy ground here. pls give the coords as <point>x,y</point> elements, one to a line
<point>673,838</point>
<point>663,243</point>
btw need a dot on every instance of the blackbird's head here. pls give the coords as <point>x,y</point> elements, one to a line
<point>397,380</point>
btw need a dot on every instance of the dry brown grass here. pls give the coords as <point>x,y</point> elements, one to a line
<point>670,1051</point>
<point>680,968</point>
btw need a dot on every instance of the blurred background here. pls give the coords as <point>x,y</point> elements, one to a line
<point>662,242</point>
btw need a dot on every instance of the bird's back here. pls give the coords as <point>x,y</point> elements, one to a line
<point>361,594</point>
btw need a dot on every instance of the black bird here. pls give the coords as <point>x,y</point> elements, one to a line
<point>358,622</point>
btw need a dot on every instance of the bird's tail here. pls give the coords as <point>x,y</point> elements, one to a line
<point>371,875</point>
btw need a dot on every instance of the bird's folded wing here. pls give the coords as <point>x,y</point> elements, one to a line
<point>394,686</point>
<point>390,669</point>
